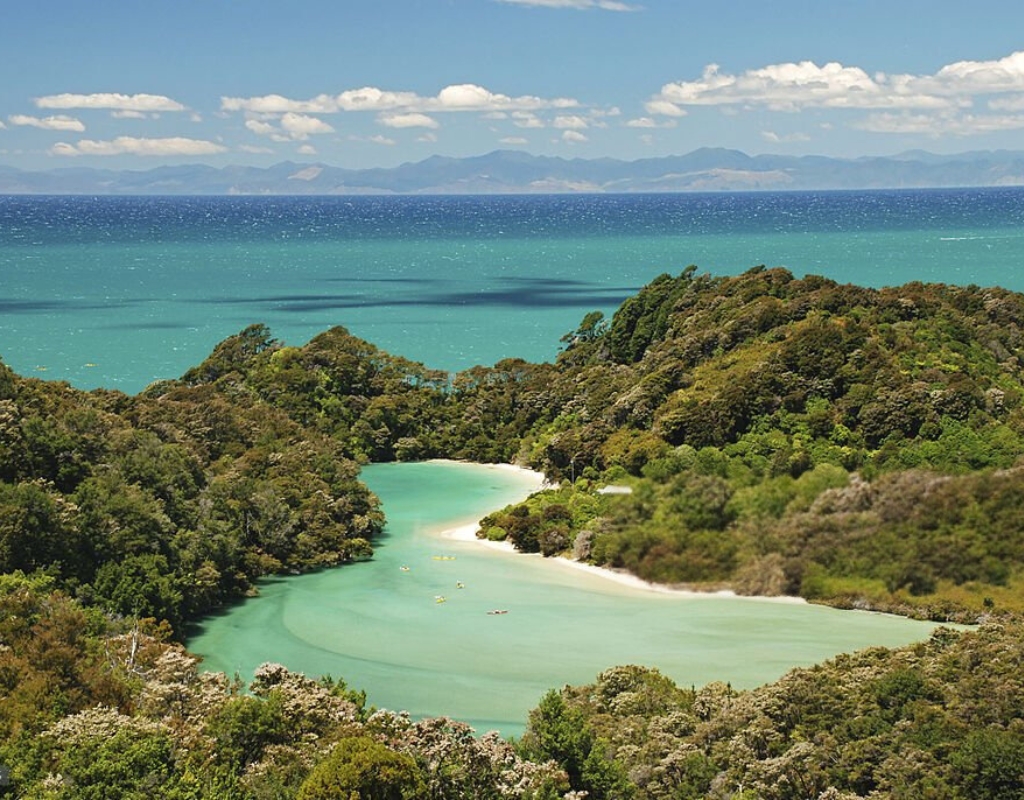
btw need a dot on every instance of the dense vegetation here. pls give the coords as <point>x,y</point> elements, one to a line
<point>779,435</point>
<point>769,434</point>
<point>937,720</point>
<point>168,507</point>
<point>99,708</point>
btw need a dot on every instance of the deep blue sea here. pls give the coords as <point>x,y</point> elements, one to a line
<point>119,292</point>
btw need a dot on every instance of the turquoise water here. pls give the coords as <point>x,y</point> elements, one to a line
<point>118,292</point>
<point>380,627</point>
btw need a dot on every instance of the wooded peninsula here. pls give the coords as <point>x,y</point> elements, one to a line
<point>770,435</point>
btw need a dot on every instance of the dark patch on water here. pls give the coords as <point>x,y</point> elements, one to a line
<point>36,306</point>
<point>507,298</point>
<point>522,293</point>
<point>278,298</point>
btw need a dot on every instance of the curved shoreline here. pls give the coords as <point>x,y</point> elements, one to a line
<point>467,532</point>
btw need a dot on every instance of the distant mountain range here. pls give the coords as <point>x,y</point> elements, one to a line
<point>515,172</point>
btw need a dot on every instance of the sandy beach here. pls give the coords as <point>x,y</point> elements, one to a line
<point>467,532</point>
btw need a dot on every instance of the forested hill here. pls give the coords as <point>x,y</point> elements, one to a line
<point>780,435</point>
<point>855,446</point>
<point>167,508</point>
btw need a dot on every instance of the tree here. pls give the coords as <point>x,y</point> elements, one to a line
<point>360,768</point>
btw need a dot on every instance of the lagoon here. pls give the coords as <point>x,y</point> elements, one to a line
<point>380,627</point>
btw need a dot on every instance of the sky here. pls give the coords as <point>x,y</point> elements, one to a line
<point>374,83</point>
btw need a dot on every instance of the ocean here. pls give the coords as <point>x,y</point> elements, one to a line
<point>117,292</point>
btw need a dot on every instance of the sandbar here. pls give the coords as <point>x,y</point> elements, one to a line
<point>466,531</point>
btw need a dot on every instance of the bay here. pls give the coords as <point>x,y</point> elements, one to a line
<point>117,292</point>
<point>378,624</point>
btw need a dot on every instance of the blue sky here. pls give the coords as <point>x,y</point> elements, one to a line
<point>364,83</point>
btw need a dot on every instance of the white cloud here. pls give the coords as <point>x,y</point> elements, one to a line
<point>59,122</point>
<point>128,114</point>
<point>526,119</point>
<point>647,122</point>
<point>573,137</point>
<point>276,104</point>
<point>570,121</point>
<point>457,97</point>
<point>121,102</point>
<point>122,145</point>
<point>261,128</point>
<point>427,138</point>
<point>788,138</point>
<point>378,139</point>
<point>979,77</point>
<point>794,86</point>
<point>578,5</point>
<point>293,127</point>
<point>370,98</point>
<point>410,120</point>
<point>514,140</point>
<point>306,150</point>
<point>301,126</point>
<point>664,108</point>
<point>2,126</point>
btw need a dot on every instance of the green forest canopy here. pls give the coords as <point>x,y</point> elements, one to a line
<point>778,435</point>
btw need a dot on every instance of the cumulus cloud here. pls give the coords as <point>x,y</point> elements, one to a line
<point>129,145</point>
<point>570,122</point>
<point>427,138</point>
<point>277,104</point>
<point>59,122</point>
<point>306,150</point>
<point>410,120</point>
<point>577,5</point>
<point>798,85</point>
<point>457,97</point>
<point>573,137</point>
<point>647,122</point>
<point>513,140</point>
<point>978,77</point>
<point>120,102</point>
<point>291,127</point>
<point>378,139</point>
<point>791,87</point>
<point>128,114</point>
<point>301,126</point>
<point>526,119</point>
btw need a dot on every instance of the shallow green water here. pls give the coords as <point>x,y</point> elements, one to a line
<point>380,628</point>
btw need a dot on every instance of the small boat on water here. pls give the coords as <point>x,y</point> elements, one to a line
<point>460,585</point>
<point>498,611</point>
<point>443,558</point>
<point>440,598</point>
<point>404,568</point>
